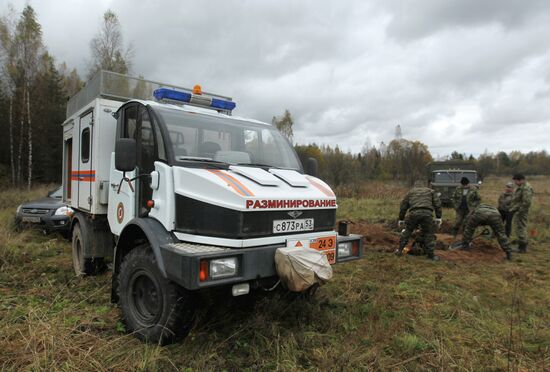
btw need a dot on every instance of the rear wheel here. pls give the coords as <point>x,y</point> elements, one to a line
<point>153,308</point>
<point>84,266</point>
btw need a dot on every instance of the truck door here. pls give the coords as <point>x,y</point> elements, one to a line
<point>150,149</point>
<point>85,175</point>
<point>121,208</point>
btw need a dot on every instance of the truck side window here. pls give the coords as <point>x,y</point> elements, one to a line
<point>130,122</point>
<point>85,146</point>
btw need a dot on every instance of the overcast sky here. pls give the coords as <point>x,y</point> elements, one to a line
<point>464,75</point>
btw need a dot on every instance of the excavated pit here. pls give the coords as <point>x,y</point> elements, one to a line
<point>384,238</point>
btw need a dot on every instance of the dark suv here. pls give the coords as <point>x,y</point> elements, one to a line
<point>48,213</point>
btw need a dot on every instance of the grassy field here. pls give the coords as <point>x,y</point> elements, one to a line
<point>380,313</point>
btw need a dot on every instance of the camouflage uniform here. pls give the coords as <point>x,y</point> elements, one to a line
<point>521,202</point>
<point>465,199</point>
<point>421,202</point>
<point>504,203</point>
<point>486,215</point>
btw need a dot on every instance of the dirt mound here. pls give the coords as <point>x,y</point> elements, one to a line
<point>383,238</point>
<point>446,227</point>
<point>481,250</point>
<point>443,241</point>
<point>376,236</point>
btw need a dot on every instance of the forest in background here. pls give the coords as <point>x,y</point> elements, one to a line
<point>34,89</point>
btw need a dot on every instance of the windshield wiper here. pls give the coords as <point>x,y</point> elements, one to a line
<point>206,161</point>
<point>201,159</point>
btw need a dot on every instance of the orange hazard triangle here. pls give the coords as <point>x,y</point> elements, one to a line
<point>299,244</point>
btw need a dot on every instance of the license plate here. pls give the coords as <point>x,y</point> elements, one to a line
<point>283,226</point>
<point>31,219</point>
<point>327,246</point>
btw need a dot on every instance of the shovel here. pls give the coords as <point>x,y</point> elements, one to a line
<point>458,244</point>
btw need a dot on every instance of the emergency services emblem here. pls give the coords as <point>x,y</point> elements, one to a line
<point>295,214</point>
<point>120,212</point>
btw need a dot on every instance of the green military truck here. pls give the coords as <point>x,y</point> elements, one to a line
<point>445,176</point>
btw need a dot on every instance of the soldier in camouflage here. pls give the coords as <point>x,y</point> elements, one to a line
<point>465,199</point>
<point>521,202</point>
<point>421,203</point>
<point>486,215</point>
<point>504,203</point>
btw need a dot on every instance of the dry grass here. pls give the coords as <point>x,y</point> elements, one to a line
<point>381,313</point>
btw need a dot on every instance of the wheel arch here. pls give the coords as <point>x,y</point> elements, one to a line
<point>136,232</point>
<point>77,218</point>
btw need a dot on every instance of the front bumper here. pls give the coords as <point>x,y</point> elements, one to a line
<point>182,262</point>
<point>48,222</point>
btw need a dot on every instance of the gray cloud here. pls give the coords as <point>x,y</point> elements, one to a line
<point>464,75</point>
<point>422,18</point>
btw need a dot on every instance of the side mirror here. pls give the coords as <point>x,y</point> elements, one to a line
<point>311,167</point>
<point>125,154</point>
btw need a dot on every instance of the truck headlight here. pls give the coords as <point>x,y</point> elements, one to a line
<point>223,267</point>
<point>19,208</point>
<point>344,249</point>
<point>64,211</point>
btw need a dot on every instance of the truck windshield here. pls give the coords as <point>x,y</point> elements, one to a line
<point>453,177</point>
<point>204,138</point>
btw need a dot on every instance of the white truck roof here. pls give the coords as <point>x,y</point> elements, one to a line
<point>119,87</point>
<point>198,110</point>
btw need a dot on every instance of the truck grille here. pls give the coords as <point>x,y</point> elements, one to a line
<point>196,217</point>
<point>35,211</point>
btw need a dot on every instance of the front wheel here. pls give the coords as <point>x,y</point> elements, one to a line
<point>153,308</point>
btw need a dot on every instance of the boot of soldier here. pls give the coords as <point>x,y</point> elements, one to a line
<point>509,255</point>
<point>522,247</point>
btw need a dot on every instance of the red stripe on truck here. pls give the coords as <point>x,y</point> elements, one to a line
<point>83,176</point>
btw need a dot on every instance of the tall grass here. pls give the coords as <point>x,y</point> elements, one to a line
<point>380,313</point>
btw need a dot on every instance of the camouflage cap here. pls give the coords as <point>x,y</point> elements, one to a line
<point>510,185</point>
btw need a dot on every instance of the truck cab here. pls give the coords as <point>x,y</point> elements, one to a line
<point>445,181</point>
<point>185,196</point>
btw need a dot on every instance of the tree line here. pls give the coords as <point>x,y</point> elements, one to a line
<point>402,160</point>
<point>34,91</point>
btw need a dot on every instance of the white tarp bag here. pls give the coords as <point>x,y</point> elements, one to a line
<point>301,268</point>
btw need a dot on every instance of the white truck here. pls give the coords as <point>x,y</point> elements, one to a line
<point>183,196</point>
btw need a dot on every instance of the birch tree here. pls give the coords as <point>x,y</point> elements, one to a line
<point>284,125</point>
<point>108,49</point>
<point>28,39</point>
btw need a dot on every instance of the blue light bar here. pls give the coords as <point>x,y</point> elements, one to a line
<point>223,105</point>
<point>195,99</point>
<point>163,93</point>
